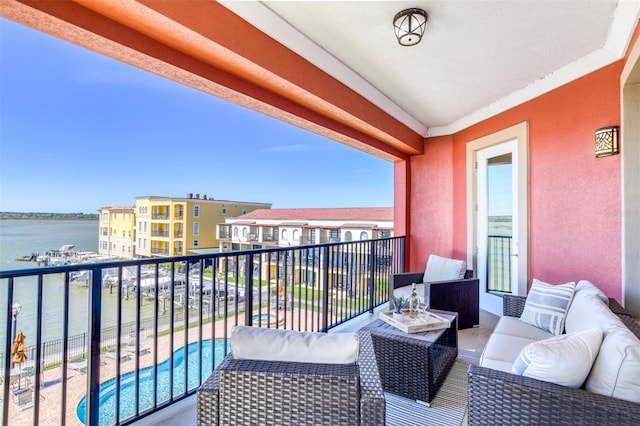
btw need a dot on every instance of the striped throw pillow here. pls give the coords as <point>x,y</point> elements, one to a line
<point>546,306</point>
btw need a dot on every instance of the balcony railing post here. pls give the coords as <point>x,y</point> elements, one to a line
<point>6,364</point>
<point>93,360</point>
<point>38,349</point>
<point>401,257</point>
<point>325,288</point>
<point>372,275</point>
<point>248,289</point>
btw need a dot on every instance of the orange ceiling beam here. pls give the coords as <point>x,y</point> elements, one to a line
<point>225,52</point>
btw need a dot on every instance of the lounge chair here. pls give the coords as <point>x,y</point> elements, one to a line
<point>445,284</point>
<point>133,349</point>
<point>114,355</point>
<point>79,365</point>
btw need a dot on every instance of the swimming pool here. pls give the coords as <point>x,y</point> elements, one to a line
<point>210,353</point>
<point>263,319</point>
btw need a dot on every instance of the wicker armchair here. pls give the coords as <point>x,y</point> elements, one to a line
<point>461,296</point>
<point>247,392</point>
<point>500,398</point>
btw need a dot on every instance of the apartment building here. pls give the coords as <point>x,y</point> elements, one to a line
<point>168,226</point>
<point>264,228</point>
<point>116,231</point>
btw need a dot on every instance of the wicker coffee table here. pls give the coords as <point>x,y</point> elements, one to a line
<point>414,365</point>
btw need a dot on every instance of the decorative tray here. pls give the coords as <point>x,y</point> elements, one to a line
<point>426,321</point>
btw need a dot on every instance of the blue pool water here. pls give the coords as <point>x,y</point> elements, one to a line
<point>264,318</point>
<point>212,355</point>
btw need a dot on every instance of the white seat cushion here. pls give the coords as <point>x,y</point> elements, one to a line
<point>270,344</point>
<point>512,326</point>
<point>565,360</point>
<point>502,350</point>
<point>508,338</point>
<point>443,269</point>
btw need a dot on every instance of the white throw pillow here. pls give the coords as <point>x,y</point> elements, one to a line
<point>270,344</point>
<point>546,306</point>
<point>442,268</point>
<point>565,360</point>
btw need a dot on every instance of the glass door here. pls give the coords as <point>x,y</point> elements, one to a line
<point>497,224</point>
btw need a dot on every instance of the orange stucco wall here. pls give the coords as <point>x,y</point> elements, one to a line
<point>575,198</point>
<point>431,192</point>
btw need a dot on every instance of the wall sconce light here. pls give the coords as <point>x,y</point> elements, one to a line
<point>607,141</point>
<point>409,26</point>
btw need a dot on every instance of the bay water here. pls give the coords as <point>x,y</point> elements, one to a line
<point>24,237</point>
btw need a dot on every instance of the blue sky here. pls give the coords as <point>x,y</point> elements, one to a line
<point>79,131</point>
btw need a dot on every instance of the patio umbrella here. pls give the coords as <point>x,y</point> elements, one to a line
<point>19,349</point>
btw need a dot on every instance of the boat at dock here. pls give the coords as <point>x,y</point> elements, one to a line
<point>65,255</point>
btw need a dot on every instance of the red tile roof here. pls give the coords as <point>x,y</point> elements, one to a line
<point>350,213</point>
<point>359,225</point>
<point>121,207</point>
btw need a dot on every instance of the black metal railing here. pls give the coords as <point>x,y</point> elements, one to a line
<point>132,337</point>
<point>499,264</point>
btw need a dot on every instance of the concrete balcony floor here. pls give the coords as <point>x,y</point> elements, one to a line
<point>470,344</point>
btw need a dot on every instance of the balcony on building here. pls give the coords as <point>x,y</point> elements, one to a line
<point>224,232</point>
<point>160,212</point>
<point>270,235</point>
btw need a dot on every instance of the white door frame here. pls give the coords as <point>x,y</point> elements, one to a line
<point>520,134</point>
<point>630,152</point>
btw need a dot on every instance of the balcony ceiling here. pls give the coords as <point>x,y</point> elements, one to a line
<point>477,58</point>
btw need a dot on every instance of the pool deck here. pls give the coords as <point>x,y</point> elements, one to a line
<point>51,380</point>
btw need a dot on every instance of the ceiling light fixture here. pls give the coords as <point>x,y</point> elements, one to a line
<point>409,26</point>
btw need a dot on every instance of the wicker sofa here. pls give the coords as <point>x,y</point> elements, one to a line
<point>248,392</point>
<point>496,396</point>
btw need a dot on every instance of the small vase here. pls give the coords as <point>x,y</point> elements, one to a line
<point>398,316</point>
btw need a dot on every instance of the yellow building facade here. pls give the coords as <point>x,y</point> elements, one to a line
<point>167,226</point>
<point>116,231</point>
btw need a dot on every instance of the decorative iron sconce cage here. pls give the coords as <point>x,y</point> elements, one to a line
<point>607,142</point>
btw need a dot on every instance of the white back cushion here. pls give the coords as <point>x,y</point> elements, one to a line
<point>270,344</point>
<point>587,287</point>
<point>616,371</point>
<point>587,310</point>
<point>442,269</point>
